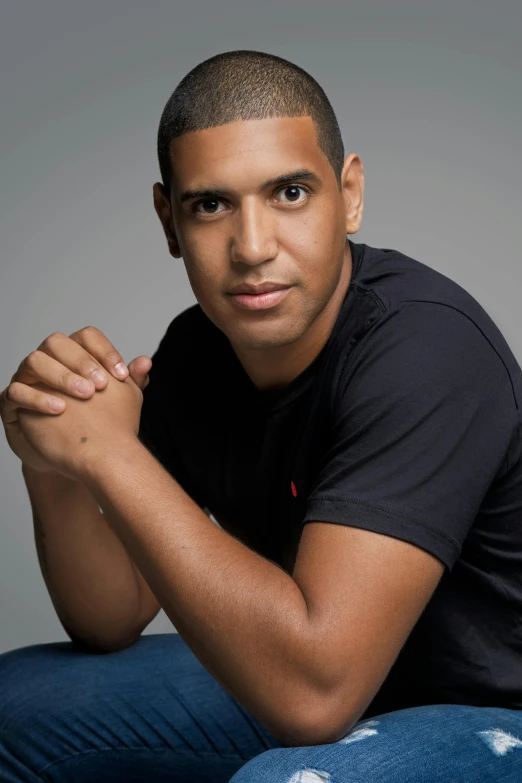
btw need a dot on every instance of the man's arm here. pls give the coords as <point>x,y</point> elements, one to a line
<point>245,618</point>
<point>98,594</point>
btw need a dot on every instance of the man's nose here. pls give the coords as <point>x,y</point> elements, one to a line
<point>254,237</point>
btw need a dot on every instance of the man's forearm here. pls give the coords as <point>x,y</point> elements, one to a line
<point>243,616</point>
<point>89,575</point>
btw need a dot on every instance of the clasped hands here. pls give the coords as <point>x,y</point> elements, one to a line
<point>92,421</point>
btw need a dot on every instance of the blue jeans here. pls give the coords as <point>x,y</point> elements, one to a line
<point>153,713</point>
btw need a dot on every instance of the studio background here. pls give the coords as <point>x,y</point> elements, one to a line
<point>429,95</point>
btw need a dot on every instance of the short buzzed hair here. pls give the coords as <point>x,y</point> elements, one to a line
<point>247,85</point>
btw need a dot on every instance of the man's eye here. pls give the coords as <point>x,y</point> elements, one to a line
<point>212,201</point>
<point>292,189</point>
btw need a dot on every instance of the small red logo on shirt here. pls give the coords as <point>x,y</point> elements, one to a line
<point>294,490</point>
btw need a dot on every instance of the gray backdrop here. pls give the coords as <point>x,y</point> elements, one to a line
<point>428,94</point>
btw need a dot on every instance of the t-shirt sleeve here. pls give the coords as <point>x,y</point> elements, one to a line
<point>422,423</point>
<point>162,407</point>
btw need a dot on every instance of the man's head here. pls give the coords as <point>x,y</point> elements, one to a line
<point>235,124</point>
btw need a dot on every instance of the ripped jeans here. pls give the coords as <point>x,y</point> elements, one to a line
<point>153,713</point>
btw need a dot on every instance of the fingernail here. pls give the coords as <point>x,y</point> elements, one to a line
<point>82,386</point>
<point>120,369</point>
<point>98,376</point>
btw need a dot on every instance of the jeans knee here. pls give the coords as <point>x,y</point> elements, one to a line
<point>280,765</point>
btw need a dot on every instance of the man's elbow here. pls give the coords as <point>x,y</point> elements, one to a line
<point>317,721</point>
<point>96,645</point>
<point>322,730</point>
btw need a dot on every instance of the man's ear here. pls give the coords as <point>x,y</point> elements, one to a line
<point>162,207</point>
<point>352,181</point>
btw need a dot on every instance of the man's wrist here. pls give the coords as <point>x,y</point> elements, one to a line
<point>114,457</point>
<point>53,477</point>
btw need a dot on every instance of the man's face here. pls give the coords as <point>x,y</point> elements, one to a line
<point>247,231</point>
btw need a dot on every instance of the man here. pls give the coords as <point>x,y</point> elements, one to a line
<point>348,416</point>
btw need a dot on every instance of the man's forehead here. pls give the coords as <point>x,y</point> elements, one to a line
<point>262,148</point>
<point>266,130</point>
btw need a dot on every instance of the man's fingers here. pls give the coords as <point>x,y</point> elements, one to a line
<point>100,347</point>
<point>38,366</point>
<point>19,395</point>
<point>77,365</point>
<point>139,369</point>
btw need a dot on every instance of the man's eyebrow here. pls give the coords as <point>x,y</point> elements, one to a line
<point>305,174</point>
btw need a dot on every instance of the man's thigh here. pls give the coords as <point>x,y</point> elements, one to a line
<point>149,712</point>
<point>440,743</point>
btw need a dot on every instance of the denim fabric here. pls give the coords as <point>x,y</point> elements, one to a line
<point>152,712</point>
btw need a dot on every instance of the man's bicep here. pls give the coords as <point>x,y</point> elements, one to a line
<point>365,592</point>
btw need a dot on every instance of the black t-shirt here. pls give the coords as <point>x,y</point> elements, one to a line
<point>408,423</point>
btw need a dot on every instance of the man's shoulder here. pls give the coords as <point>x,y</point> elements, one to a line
<point>396,278</point>
<point>189,343</point>
<point>190,330</point>
<point>192,318</point>
<point>411,297</point>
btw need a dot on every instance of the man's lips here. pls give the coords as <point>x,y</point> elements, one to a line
<point>258,288</point>
<point>261,301</point>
